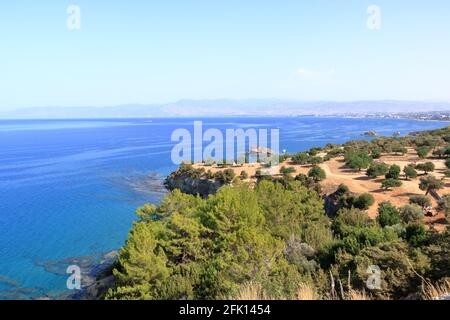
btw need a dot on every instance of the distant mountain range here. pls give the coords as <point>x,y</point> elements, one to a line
<point>225,107</point>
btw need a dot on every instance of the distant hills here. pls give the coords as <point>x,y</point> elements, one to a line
<point>227,107</point>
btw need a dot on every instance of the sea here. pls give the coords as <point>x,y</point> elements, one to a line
<point>69,189</point>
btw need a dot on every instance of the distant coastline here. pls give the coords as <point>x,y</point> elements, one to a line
<point>444,117</point>
<point>242,108</point>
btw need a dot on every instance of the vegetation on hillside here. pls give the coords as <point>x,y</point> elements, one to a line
<point>275,240</point>
<point>279,237</point>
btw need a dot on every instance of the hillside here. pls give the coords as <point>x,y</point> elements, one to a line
<point>273,236</point>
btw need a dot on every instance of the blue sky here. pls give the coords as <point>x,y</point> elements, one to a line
<point>162,51</point>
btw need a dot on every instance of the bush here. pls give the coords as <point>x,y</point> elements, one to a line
<point>415,234</point>
<point>394,172</point>
<point>364,201</point>
<point>388,215</point>
<point>377,170</point>
<point>410,172</point>
<point>333,153</point>
<point>358,160</point>
<point>422,201</point>
<point>314,151</point>
<point>426,167</point>
<point>317,173</point>
<point>422,152</point>
<point>391,183</point>
<point>376,154</point>
<point>301,158</point>
<point>286,171</point>
<point>351,218</point>
<point>398,149</point>
<point>342,189</point>
<point>315,160</point>
<point>226,176</point>
<point>411,213</point>
<point>397,276</point>
<point>244,175</point>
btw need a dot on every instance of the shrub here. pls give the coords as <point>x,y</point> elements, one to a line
<point>358,160</point>
<point>377,170</point>
<point>287,171</point>
<point>394,172</point>
<point>410,172</point>
<point>364,201</point>
<point>422,201</point>
<point>415,234</point>
<point>225,176</point>
<point>301,158</point>
<point>317,173</point>
<point>388,215</point>
<point>391,183</point>
<point>376,153</point>
<point>426,167</point>
<point>333,153</point>
<point>342,189</point>
<point>398,149</point>
<point>314,151</point>
<point>422,152</point>
<point>315,160</point>
<point>439,153</point>
<point>244,175</point>
<point>397,276</point>
<point>351,217</point>
<point>411,213</point>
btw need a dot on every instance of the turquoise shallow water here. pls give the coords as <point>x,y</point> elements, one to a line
<point>69,188</point>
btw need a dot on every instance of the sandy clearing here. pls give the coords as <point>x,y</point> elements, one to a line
<point>358,182</point>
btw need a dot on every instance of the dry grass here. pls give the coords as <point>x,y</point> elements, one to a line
<point>437,291</point>
<point>251,291</point>
<point>307,292</point>
<point>357,295</point>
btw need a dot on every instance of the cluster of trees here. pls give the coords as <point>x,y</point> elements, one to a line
<point>358,160</point>
<point>391,173</point>
<point>316,173</point>
<point>305,158</point>
<point>277,235</point>
<point>225,176</point>
<point>186,170</point>
<point>349,200</point>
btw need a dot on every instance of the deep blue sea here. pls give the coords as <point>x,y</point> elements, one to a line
<point>69,188</point>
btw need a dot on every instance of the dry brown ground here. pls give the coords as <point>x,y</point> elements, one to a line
<point>358,182</point>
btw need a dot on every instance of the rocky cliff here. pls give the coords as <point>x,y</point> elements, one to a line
<point>192,185</point>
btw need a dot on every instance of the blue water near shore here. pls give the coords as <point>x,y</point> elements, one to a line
<point>69,188</point>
